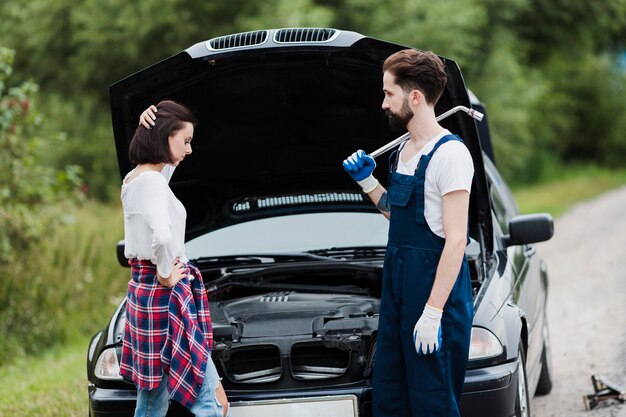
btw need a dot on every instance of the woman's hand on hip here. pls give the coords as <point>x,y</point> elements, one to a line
<point>178,272</point>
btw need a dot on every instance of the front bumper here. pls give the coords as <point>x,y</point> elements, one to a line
<point>115,402</point>
<point>111,402</point>
<point>488,392</point>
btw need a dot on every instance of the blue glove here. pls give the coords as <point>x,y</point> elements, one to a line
<point>427,331</point>
<point>359,165</point>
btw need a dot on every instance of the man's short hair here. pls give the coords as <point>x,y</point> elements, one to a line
<point>421,70</point>
<point>151,146</point>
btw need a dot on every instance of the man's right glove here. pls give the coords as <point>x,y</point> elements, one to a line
<point>360,167</point>
<point>427,331</point>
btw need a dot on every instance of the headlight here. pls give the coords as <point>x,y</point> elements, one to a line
<point>107,366</point>
<point>484,344</point>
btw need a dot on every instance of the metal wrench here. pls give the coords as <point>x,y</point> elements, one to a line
<point>471,112</point>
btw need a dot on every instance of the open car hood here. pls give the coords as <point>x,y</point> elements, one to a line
<point>278,112</point>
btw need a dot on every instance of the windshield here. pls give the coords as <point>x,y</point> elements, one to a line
<point>294,233</point>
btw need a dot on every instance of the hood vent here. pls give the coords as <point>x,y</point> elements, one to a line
<point>304,35</point>
<point>277,297</point>
<point>238,40</point>
<point>251,204</point>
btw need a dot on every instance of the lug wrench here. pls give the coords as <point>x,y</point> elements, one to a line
<point>396,142</point>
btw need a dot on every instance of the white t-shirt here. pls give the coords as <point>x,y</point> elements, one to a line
<point>154,220</point>
<point>450,169</point>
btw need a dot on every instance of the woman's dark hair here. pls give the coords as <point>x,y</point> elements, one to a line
<point>421,70</point>
<point>151,146</point>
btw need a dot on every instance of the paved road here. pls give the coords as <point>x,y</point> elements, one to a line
<point>586,305</point>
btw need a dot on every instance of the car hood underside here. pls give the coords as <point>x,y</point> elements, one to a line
<point>276,119</point>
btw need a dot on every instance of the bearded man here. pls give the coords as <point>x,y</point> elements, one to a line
<point>426,304</point>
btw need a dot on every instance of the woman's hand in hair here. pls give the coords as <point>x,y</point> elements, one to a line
<point>148,117</point>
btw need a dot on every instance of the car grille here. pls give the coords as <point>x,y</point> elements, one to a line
<point>304,35</point>
<point>261,364</point>
<point>238,40</point>
<point>314,361</point>
<point>254,364</point>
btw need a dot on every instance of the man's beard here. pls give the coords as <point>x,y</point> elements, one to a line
<point>401,120</point>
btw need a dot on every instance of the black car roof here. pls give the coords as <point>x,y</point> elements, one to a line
<point>278,111</point>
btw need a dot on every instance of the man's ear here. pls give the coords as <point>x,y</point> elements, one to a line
<point>416,96</point>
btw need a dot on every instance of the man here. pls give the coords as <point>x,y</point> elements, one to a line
<point>426,308</point>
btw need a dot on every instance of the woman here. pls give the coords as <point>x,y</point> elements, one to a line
<point>167,337</point>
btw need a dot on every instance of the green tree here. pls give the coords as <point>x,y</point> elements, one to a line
<point>585,110</point>
<point>510,92</point>
<point>452,28</point>
<point>34,200</point>
<point>532,56</point>
<point>79,49</point>
<point>33,196</point>
<point>288,13</point>
<point>546,26</point>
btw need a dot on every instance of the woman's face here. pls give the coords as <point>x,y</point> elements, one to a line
<point>180,143</point>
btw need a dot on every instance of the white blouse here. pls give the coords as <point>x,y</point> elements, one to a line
<point>154,220</point>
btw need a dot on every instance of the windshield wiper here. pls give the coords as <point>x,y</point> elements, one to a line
<point>351,253</point>
<point>260,258</point>
<point>213,290</point>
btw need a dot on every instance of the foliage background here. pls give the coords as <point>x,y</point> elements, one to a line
<point>551,72</point>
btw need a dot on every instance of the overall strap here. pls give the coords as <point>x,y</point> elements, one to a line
<point>425,159</point>
<point>445,139</point>
<point>395,155</point>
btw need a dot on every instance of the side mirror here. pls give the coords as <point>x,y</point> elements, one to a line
<point>120,254</point>
<point>529,228</point>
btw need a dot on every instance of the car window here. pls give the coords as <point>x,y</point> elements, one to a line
<point>502,200</point>
<point>293,233</point>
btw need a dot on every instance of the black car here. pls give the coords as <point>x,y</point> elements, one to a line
<point>291,250</point>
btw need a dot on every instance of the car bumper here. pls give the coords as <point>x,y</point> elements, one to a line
<point>488,392</point>
<point>115,402</point>
<point>111,402</point>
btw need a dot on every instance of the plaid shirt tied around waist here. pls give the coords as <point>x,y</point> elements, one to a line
<point>167,329</point>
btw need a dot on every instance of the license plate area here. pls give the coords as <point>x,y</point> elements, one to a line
<point>331,406</point>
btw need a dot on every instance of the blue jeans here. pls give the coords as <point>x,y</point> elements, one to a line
<point>154,403</point>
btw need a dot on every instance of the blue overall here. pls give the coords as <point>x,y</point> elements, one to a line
<point>405,383</point>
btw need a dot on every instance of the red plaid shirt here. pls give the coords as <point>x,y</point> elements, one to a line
<point>166,330</point>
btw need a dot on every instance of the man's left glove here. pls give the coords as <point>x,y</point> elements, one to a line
<point>427,331</point>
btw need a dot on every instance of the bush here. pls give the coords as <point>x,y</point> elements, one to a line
<point>33,197</point>
<point>586,110</point>
<point>85,140</point>
<point>34,200</point>
<point>510,91</point>
<point>64,287</point>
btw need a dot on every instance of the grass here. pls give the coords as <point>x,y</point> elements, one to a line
<point>571,186</point>
<point>73,285</point>
<point>83,274</point>
<point>71,272</point>
<point>51,385</point>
